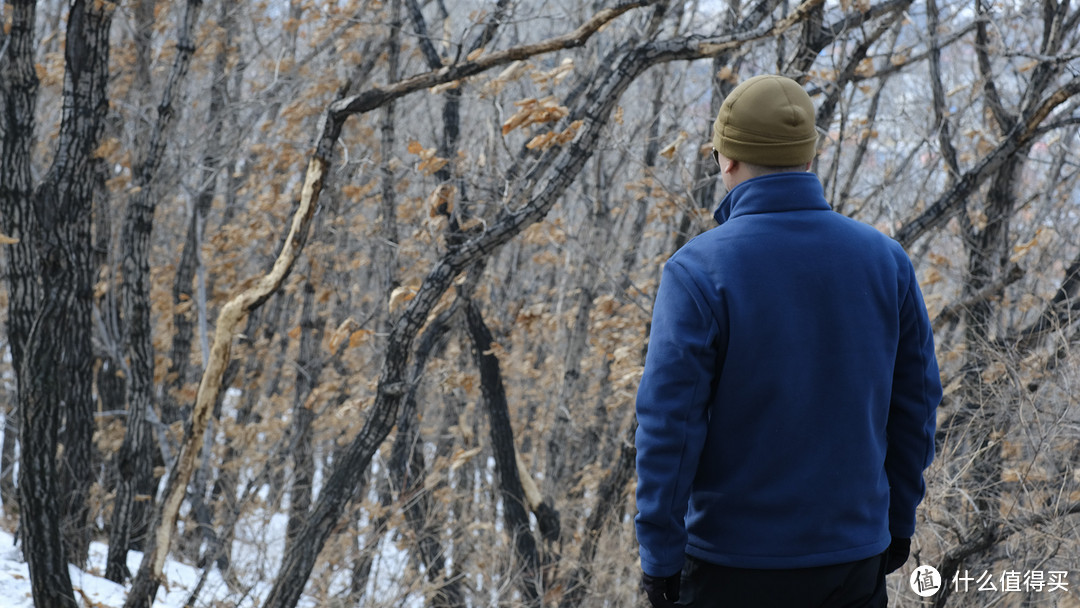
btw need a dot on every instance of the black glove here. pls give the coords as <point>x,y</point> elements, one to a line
<point>662,592</point>
<point>897,554</point>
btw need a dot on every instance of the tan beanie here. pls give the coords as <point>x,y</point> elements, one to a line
<point>767,120</point>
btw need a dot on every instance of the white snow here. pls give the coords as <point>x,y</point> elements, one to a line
<point>252,557</point>
<point>91,588</point>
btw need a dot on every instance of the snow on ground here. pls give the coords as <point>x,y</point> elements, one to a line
<point>92,589</point>
<point>256,555</point>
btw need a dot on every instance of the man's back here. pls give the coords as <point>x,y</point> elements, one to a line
<point>805,310</point>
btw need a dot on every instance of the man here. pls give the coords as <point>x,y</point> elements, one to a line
<point>787,408</point>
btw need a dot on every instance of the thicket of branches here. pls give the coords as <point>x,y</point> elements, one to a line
<point>382,271</point>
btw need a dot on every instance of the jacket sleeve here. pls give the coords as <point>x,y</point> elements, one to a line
<point>916,392</point>
<point>672,406</point>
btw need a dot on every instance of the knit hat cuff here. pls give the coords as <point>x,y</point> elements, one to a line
<point>753,150</point>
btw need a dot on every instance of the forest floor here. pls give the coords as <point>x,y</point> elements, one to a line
<point>93,590</point>
<point>253,558</point>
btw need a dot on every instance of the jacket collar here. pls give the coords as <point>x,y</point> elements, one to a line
<point>772,193</point>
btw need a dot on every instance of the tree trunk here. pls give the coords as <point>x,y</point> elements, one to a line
<point>308,369</point>
<point>39,486</point>
<point>409,471</point>
<point>515,515</point>
<point>376,530</point>
<point>568,410</point>
<point>180,373</point>
<point>135,460</point>
<point>18,98</point>
<point>51,277</point>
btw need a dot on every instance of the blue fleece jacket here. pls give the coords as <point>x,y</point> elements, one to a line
<point>787,408</point>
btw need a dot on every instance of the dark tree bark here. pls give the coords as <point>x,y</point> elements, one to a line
<point>309,366</point>
<point>559,445</point>
<point>151,570</point>
<point>365,560</point>
<point>135,460</point>
<point>952,200</point>
<point>67,270</point>
<point>18,98</point>
<point>515,515</point>
<point>180,372</point>
<point>408,466</point>
<point>612,488</point>
<point>39,486</point>
<point>50,278</point>
<point>388,230</point>
<point>342,479</point>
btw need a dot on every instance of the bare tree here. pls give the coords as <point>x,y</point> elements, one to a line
<point>50,279</point>
<point>136,454</point>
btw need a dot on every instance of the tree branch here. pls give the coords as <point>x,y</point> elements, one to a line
<point>941,122</point>
<point>941,210</point>
<point>373,98</point>
<point>952,312</point>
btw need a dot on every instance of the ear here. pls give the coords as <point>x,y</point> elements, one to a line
<point>731,168</point>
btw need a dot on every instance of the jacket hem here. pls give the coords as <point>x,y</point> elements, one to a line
<point>777,562</point>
